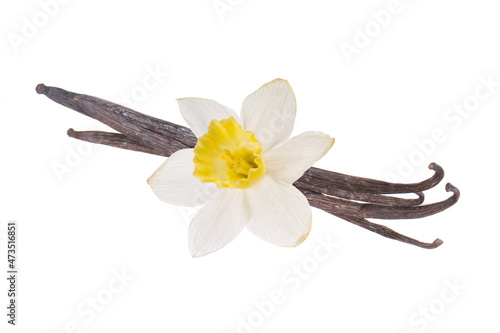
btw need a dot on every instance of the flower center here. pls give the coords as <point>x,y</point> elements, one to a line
<point>228,155</point>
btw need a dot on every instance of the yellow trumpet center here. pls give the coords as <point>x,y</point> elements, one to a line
<point>228,155</point>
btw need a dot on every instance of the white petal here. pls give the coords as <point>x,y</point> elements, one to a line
<point>198,113</point>
<point>174,182</point>
<point>218,222</point>
<point>280,213</point>
<point>270,113</point>
<point>289,161</point>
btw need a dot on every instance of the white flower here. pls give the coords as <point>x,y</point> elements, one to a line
<point>242,175</point>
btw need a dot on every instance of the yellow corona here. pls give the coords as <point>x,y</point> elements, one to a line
<point>228,155</point>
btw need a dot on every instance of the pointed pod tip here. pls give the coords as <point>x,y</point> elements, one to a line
<point>437,242</point>
<point>451,188</point>
<point>42,89</point>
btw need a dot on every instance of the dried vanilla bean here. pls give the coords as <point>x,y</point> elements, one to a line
<point>148,131</point>
<point>115,140</point>
<point>324,180</point>
<point>345,207</point>
<point>389,233</point>
<point>348,197</point>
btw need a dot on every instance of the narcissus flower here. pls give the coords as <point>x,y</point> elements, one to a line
<point>242,169</point>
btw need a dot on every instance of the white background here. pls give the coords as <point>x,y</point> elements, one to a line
<point>79,229</point>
